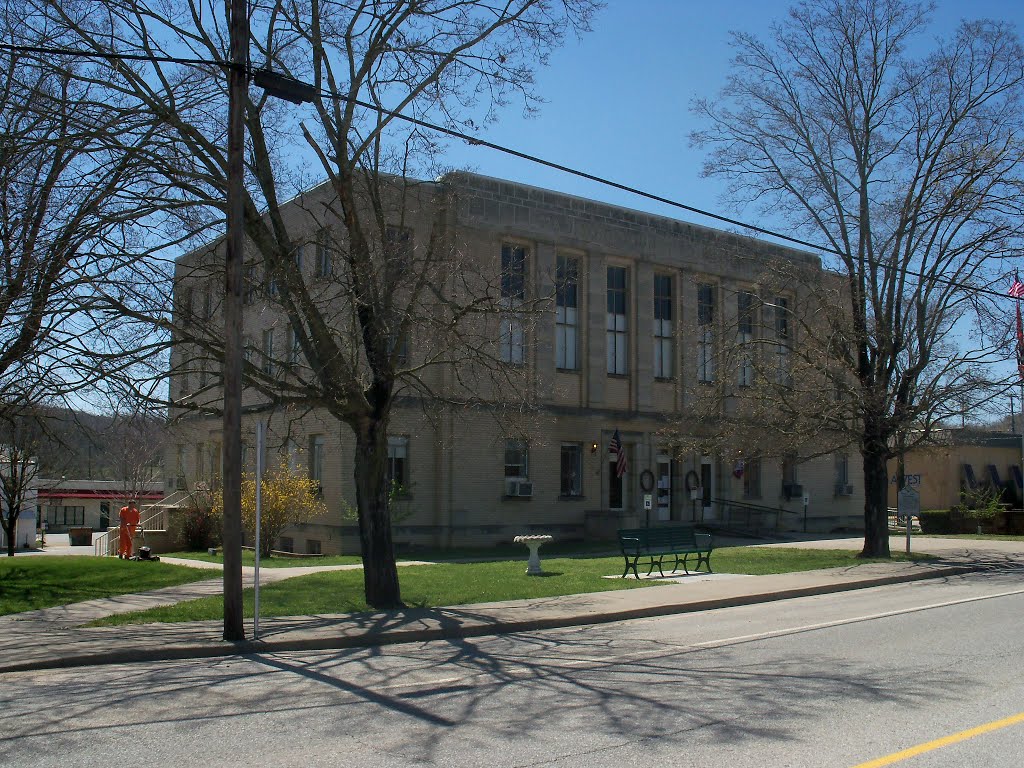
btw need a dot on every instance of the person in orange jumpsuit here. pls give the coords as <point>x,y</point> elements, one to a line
<point>129,518</point>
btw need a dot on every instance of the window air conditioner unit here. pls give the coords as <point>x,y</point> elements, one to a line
<point>844,490</point>
<point>180,483</point>
<point>848,490</point>
<point>525,489</point>
<point>792,490</point>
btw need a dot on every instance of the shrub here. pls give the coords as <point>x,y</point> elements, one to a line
<point>983,505</point>
<point>198,528</point>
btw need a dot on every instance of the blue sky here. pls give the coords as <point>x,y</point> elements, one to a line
<point>618,99</point>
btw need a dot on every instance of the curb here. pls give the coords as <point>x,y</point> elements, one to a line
<point>382,637</point>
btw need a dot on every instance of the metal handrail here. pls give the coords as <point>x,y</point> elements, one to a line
<point>755,517</point>
<point>105,543</point>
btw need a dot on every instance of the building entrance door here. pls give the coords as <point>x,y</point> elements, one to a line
<point>707,485</point>
<point>663,488</point>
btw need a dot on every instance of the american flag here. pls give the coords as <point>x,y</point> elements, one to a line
<point>616,447</point>
<point>1017,289</point>
<point>1017,292</point>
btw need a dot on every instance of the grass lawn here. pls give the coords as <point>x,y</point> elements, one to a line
<point>449,584</point>
<point>248,558</point>
<point>27,583</point>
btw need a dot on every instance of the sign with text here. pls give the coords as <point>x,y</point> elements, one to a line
<point>908,504</point>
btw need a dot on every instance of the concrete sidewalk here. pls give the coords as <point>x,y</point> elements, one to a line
<point>48,639</point>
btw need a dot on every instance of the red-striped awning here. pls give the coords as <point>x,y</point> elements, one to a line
<point>56,493</point>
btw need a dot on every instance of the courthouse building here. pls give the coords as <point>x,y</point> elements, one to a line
<point>639,309</point>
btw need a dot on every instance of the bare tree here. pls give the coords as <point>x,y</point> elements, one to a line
<point>21,437</point>
<point>71,197</point>
<point>908,169</point>
<point>453,63</point>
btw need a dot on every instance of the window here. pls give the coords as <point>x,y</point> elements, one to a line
<point>287,544</point>
<point>842,474</point>
<point>246,349</point>
<point>207,303</point>
<point>268,351</point>
<point>398,463</point>
<point>271,281</point>
<point>512,341</point>
<point>324,260</point>
<point>298,257</point>
<point>745,334</point>
<point>65,516</point>
<point>566,309</point>
<point>313,547</point>
<point>250,289</point>
<point>706,311</point>
<point>398,248</point>
<point>399,347</point>
<point>184,303</point>
<point>316,458</point>
<point>200,461</point>
<point>513,272</point>
<point>663,331</point>
<point>617,340</point>
<point>291,451</point>
<point>571,470</point>
<point>752,479</point>
<point>782,340</point>
<point>216,463</point>
<point>294,346</point>
<point>516,459</point>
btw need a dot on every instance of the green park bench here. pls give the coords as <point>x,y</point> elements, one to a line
<point>655,544</point>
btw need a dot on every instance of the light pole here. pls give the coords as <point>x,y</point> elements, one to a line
<point>295,92</point>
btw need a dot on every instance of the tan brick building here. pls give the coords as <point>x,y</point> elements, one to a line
<point>637,307</point>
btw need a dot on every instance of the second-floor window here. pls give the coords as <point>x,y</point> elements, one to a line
<point>745,310</point>
<point>268,351</point>
<point>250,289</point>
<point>617,333</point>
<point>663,331</point>
<point>566,313</point>
<point>324,261</point>
<point>782,339</point>
<point>512,341</point>
<point>294,346</point>
<point>706,313</point>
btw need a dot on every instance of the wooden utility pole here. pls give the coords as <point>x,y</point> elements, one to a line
<point>238,26</point>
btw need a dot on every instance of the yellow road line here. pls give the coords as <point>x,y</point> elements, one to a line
<point>945,741</point>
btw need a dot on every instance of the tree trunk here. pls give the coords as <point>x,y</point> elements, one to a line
<point>876,501</point>
<point>380,575</point>
<point>10,526</point>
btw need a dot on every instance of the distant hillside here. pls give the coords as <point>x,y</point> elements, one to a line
<point>93,446</point>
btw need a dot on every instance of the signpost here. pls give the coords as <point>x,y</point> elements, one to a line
<point>908,505</point>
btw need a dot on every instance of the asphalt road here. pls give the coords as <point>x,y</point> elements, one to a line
<point>837,680</point>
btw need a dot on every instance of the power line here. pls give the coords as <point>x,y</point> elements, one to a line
<point>476,141</point>
<point>46,51</point>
